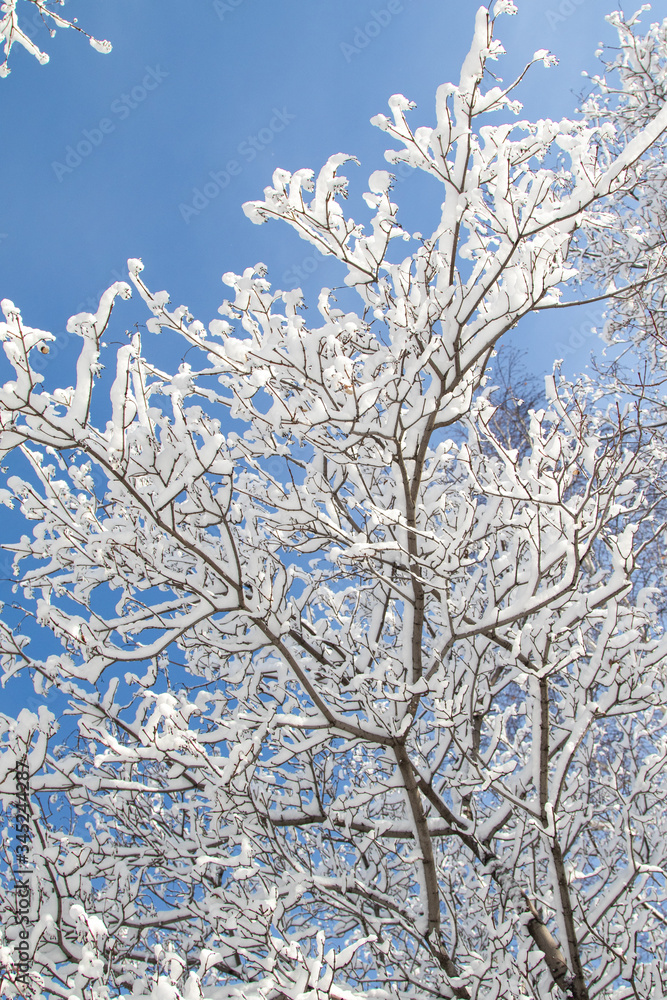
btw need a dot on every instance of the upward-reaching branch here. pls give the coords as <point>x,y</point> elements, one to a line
<point>398,717</point>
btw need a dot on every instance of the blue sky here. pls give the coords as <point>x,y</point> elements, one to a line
<point>190,89</point>
<point>232,89</point>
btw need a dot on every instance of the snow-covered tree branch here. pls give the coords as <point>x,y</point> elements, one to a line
<point>13,29</point>
<point>368,699</point>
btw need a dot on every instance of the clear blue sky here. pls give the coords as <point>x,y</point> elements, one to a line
<point>192,87</point>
